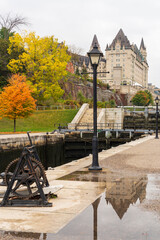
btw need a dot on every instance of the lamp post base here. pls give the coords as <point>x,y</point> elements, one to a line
<point>95,164</point>
<point>95,168</point>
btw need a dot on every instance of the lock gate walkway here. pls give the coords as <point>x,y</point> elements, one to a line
<point>75,196</point>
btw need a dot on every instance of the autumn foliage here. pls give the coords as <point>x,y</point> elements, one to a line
<point>16,100</point>
<point>42,60</point>
<point>142,98</point>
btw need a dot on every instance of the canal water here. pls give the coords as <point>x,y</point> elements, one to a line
<point>128,209</point>
<point>51,155</point>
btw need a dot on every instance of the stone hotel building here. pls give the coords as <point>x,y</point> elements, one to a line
<point>126,63</point>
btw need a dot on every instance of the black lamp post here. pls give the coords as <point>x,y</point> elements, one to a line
<point>157,101</point>
<point>94,57</point>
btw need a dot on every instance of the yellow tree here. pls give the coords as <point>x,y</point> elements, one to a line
<point>16,100</point>
<point>43,61</point>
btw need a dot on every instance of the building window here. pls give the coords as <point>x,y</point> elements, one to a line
<point>117,60</point>
<point>117,65</point>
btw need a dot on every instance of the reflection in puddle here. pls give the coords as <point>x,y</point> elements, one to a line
<point>116,215</point>
<point>23,235</point>
<point>122,192</point>
<point>86,176</point>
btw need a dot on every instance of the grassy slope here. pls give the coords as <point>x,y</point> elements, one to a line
<point>40,121</point>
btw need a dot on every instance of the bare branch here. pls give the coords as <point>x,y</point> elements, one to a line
<point>73,49</point>
<point>10,23</point>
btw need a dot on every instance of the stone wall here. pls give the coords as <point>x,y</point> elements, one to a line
<point>73,88</point>
<point>18,141</point>
<point>78,116</point>
<point>114,116</point>
<point>106,118</point>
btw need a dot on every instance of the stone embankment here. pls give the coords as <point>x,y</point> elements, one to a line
<point>18,141</point>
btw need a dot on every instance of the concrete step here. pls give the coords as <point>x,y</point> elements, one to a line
<point>88,116</point>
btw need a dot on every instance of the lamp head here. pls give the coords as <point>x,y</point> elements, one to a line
<point>157,100</point>
<point>95,55</point>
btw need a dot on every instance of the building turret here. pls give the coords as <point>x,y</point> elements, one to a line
<point>143,50</point>
<point>107,47</point>
<point>95,41</point>
<point>121,39</point>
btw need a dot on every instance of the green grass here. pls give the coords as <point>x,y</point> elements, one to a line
<point>136,109</point>
<point>40,121</point>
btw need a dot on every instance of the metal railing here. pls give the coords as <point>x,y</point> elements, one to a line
<point>89,126</point>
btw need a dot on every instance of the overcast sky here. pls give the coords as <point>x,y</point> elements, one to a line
<point>76,22</point>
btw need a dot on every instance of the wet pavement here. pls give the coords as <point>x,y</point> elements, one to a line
<point>118,214</point>
<point>120,204</point>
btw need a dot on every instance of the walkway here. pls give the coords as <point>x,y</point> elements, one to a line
<point>75,196</point>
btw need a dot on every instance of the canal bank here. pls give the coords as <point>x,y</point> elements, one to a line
<point>55,149</point>
<point>81,187</point>
<point>50,148</point>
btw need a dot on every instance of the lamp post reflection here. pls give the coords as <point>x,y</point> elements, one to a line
<point>95,220</point>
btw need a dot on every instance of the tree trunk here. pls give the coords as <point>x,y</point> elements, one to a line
<point>14,124</point>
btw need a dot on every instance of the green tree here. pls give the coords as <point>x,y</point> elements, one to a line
<point>9,23</point>
<point>81,98</point>
<point>5,34</point>
<point>112,103</point>
<point>106,104</point>
<point>7,26</point>
<point>43,61</point>
<point>150,97</point>
<point>85,75</point>
<point>4,60</point>
<point>142,98</point>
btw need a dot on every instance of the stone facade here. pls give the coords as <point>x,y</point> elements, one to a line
<point>126,64</point>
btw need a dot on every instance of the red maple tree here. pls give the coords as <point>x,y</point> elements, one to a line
<point>16,100</point>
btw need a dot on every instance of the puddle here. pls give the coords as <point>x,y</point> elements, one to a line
<point>86,175</point>
<point>153,187</point>
<point>100,221</point>
<point>116,215</point>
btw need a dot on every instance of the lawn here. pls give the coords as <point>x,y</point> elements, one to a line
<point>40,121</point>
